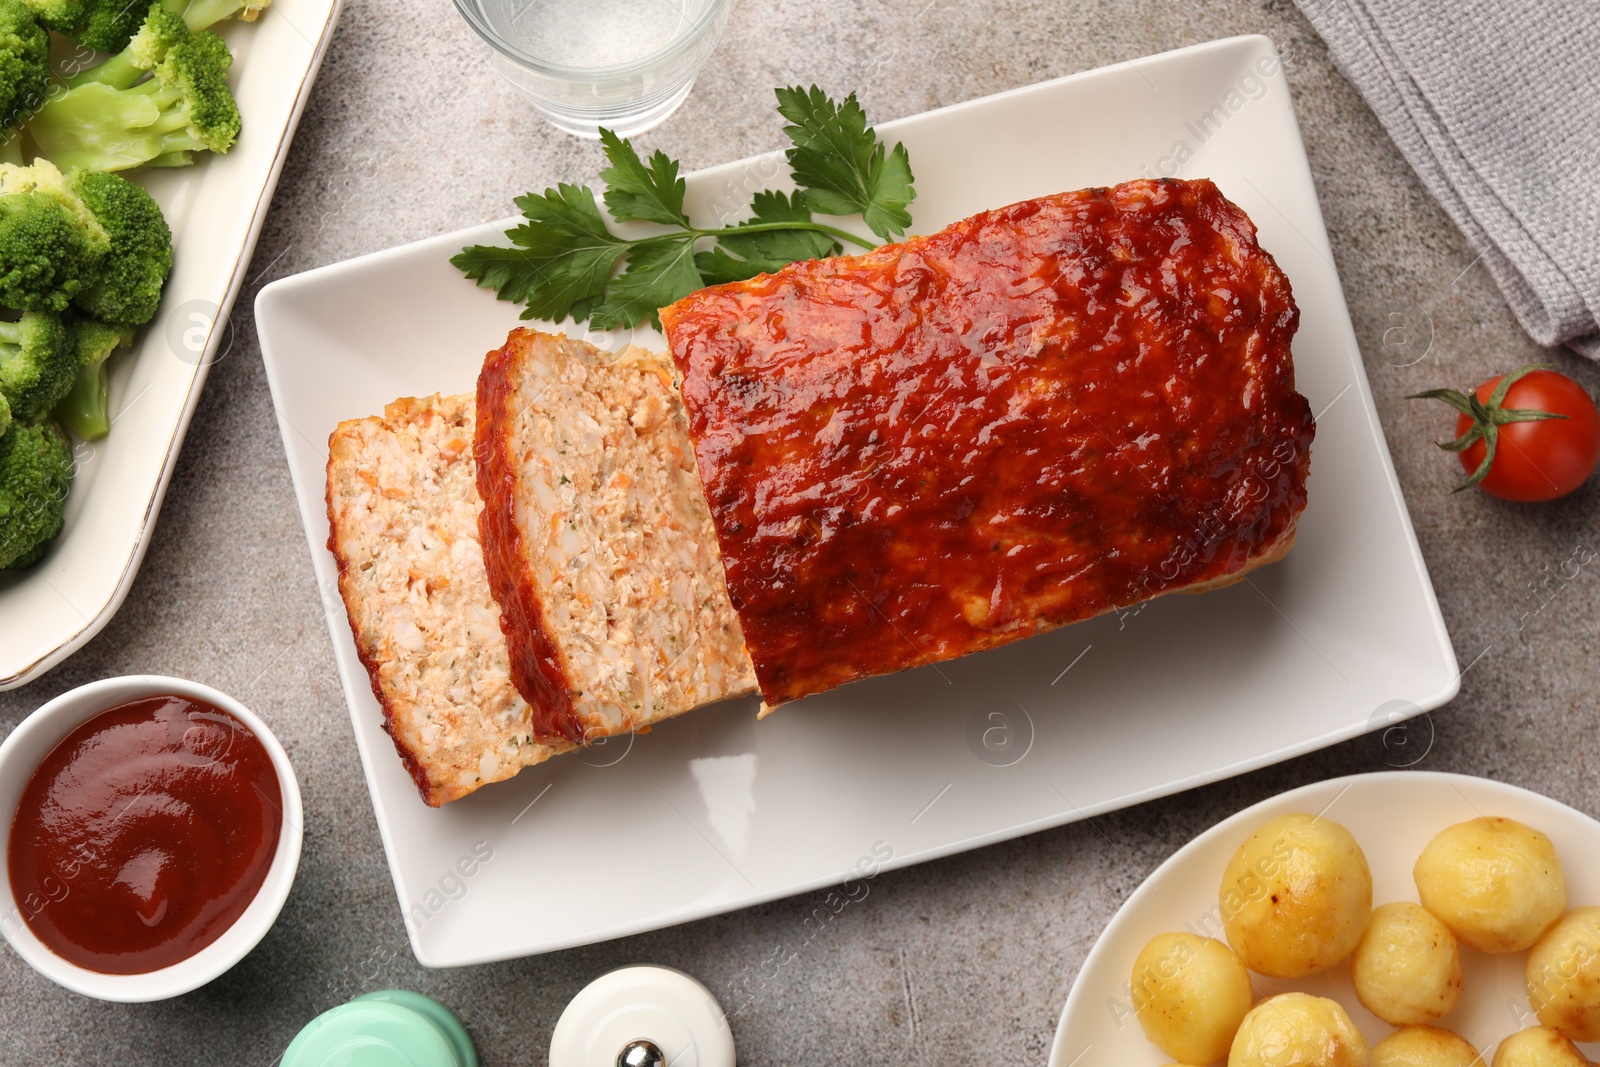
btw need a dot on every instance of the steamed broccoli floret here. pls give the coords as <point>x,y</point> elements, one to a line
<point>36,471</point>
<point>106,25</point>
<point>185,107</point>
<point>47,255</point>
<point>126,294</point>
<point>51,245</point>
<point>38,363</point>
<point>5,413</point>
<point>24,62</point>
<point>86,409</point>
<point>129,288</point>
<point>63,16</point>
<point>165,24</point>
<point>160,30</point>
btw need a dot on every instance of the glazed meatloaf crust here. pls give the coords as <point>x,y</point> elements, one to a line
<point>403,519</point>
<point>1038,414</point>
<point>597,540</point>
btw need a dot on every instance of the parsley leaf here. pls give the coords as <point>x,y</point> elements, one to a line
<point>660,272</point>
<point>563,260</point>
<point>841,163</point>
<point>635,192</point>
<point>738,256</point>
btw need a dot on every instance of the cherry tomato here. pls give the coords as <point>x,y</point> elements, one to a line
<point>1541,459</point>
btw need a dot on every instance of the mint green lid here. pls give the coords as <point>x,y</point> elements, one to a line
<point>389,1028</point>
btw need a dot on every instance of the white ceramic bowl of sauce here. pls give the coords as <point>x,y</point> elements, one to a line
<point>206,744</point>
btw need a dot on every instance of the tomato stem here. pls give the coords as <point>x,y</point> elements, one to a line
<point>1487,417</point>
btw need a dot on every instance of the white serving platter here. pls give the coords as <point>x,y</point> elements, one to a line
<point>216,209</point>
<point>1393,814</point>
<point>715,811</point>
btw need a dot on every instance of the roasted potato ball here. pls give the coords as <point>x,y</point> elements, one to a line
<point>1538,1047</point>
<point>1298,1030</point>
<point>1563,975</point>
<point>1425,1046</point>
<point>1407,968</point>
<point>1496,883</point>
<point>1296,897</point>
<point>1190,993</point>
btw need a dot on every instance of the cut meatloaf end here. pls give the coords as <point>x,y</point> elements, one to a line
<point>598,542</point>
<point>1039,414</point>
<point>403,525</point>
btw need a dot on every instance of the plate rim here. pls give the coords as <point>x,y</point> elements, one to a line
<point>283,289</point>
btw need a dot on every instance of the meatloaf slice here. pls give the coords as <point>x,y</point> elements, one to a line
<point>1038,414</point>
<point>598,542</point>
<point>403,517</point>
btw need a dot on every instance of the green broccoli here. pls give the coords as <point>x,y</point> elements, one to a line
<point>38,363</point>
<point>36,470</point>
<point>24,63</point>
<point>126,294</point>
<point>63,16</point>
<point>129,288</point>
<point>5,414</point>
<point>106,25</point>
<point>51,245</point>
<point>165,24</point>
<point>160,30</point>
<point>185,107</point>
<point>86,409</point>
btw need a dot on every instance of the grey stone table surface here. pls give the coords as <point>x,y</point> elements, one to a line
<point>964,960</point>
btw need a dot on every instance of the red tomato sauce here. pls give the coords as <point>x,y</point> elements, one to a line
<point>145,834</point>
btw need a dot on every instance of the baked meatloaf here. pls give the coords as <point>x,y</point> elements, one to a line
<point>1038,414</point>
<point>597,540</point>
<point>403,525</point>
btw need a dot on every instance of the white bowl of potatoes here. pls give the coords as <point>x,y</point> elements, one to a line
<point>1404,919</point>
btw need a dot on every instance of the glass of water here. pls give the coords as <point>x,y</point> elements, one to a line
<point>622,64</point>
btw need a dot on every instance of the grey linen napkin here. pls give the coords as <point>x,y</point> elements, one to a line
<point>1496,104</point>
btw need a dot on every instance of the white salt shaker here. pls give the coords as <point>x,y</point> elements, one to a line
<point>644,1016</point>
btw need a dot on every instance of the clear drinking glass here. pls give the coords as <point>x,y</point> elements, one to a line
<point>622,64</point>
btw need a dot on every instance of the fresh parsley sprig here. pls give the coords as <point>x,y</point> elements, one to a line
<point>840,165</point>
<point>564,259</point>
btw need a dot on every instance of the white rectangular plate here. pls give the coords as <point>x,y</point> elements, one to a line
<point>716,811</point>
<point>215,208</point>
